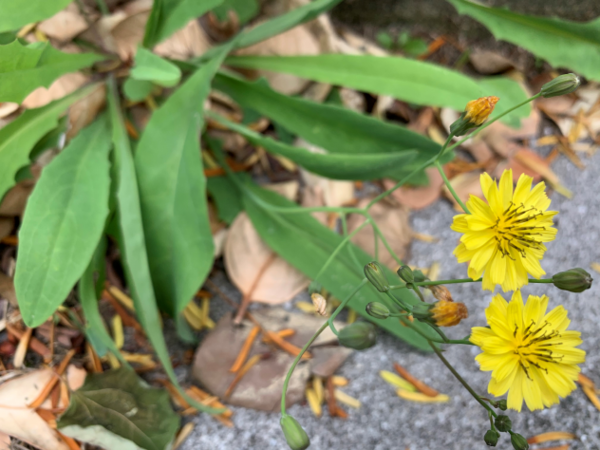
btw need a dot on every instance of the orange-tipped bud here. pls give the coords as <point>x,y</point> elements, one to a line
<point>441,292</point>
<point>447,313</point>
<point>477,111</point>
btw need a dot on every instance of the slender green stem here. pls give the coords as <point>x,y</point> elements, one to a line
<point>343,305</point>
<point>466,280</point>
<point>388,247</point>
<point>416,289</point>
<point>350,247</point>
<point>339,248</point>
<point>440,169</point>
<point>399,302</point>
<point>460,379</point>
<point>295,363</point>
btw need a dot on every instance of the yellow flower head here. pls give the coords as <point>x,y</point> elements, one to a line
<point>477,111</point>
<point>503,238</point>
<point>530,353</point>
<point>448,313</point>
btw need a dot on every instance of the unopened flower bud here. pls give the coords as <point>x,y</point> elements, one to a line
<point>359,335</point>
<point>442,313</point>
<point>503,423</point>
<point>491,437</point>
<point>377,310</point>
<point>561,85</point>
<point>419,276</point>
<point>374,273</point>
<point>441,292</point>
<point>476,112</point>
<point>315,286</point>
<point>319,303</point>
<point>502,405</point>
<point>518,442</point>
<point>294,434</point>
<point>406,274</point>
<point>574,280</point>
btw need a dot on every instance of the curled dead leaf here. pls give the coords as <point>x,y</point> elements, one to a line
<point>64,25</point>
<point>84,111</point>
<point>418,197</point>
<point>62,86</point>
<point>186,43</point>
<point>255,269</point>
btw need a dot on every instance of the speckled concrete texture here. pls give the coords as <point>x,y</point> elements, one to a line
<point>385,421</point>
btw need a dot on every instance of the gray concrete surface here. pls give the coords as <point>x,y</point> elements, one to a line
<point>387,422</point>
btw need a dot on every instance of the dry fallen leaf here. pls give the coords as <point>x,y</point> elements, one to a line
<point>7,109</point>
<point>62,86</point>
<point>287,189</point>
<point>260,388</point>
<point>13,203</point>
<point>294,42</point>
<point>186,43</point>
<point>64,25</point>
<point>85,110</point>
<point>393,222</point>
<point>418,197</point>
<point>488,62</point>
<point>465,185</point>
<point>255,269</point>
<point>21,422</point>
<point>6,226</point>
<point>4,441</point>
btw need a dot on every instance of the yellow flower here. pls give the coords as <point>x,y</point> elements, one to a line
<point>530,353</point>
<point>503,238</point>
<point>477,111</point>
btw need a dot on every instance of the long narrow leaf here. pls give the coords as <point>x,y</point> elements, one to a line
<point>15,14</point>
<point>134,250</point>
<point>410,80</point>
<point>562,43</point>
<point>63,222</point>
<point>335,129</point>
<point>173,193</point>
<point>18,138</point>
<point>338,166</point>
<point>26,67</point>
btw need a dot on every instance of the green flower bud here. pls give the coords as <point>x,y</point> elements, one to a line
<point>315,286</point>
<point>503,423</point>
<point>377,310</point>
<point>518,442</point>
<point>574,280</point>
<point>422,311</point>
<point>374,273</point>
<point>294,434</point>
<point>561,85</point>
<point>406,274</point>
<point>419,276</point>
<point>502,405</point>
<point>359,335</point>
<point>491,437</point>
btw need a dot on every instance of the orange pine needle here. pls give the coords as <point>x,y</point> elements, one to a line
<point>551,436</point>
<point>240,373</point>
<point>131,131</point>
<point>431,48</point>
<point>176,397</point>
<point>48,359</point>
<point>69,441</point>
<point>591,394</point>
<point>95,363</point>
<point>331,401</point>
<point>287,346</point>
<point>285,333</point>
<point>243,354</point>
<point>422,387</point>
<point>21,351</point>
<point>47,416</point>
<point>208,399</point>
<point>48,388</point>
<point>34,344</point>
<point>585,381</point>
<point>339,412</point>
<point>10,240</point>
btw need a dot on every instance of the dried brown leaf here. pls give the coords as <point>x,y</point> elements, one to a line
<point>84,111</point>
<point>21,422</point>
<point>418,197</point>
<point>488,62</point>
<point>7,109</point>
<point>4,441</point>
<point>7,289</point>
<point>255,269</point>
<point>64,25</point>
<point>260,388</point>
<point>465,185</point>
<point>288,189</point>
<point>186,43</point>
<point>64,85</point>
<point>394,223</point>
<point>6,226</point>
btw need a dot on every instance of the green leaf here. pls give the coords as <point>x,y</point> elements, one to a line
<point>137,268</point>
<point>16,14</point>
<point>275,26</point>
<point>27,67</point>
<point>62,224</point>
<point>168,16</point>
<point>410,80</point>
<point>307,244</point>
<point>173,193</point>
<point>245,10</point>
<point>335,129</point>
<point>226,197</point>
<point>91,280</point>
<point>137,90</point>
<point>18,138</point>
<point>338,166</point>
<point>118,410</point>
<point>562,43</point>
<point>151,67</point>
